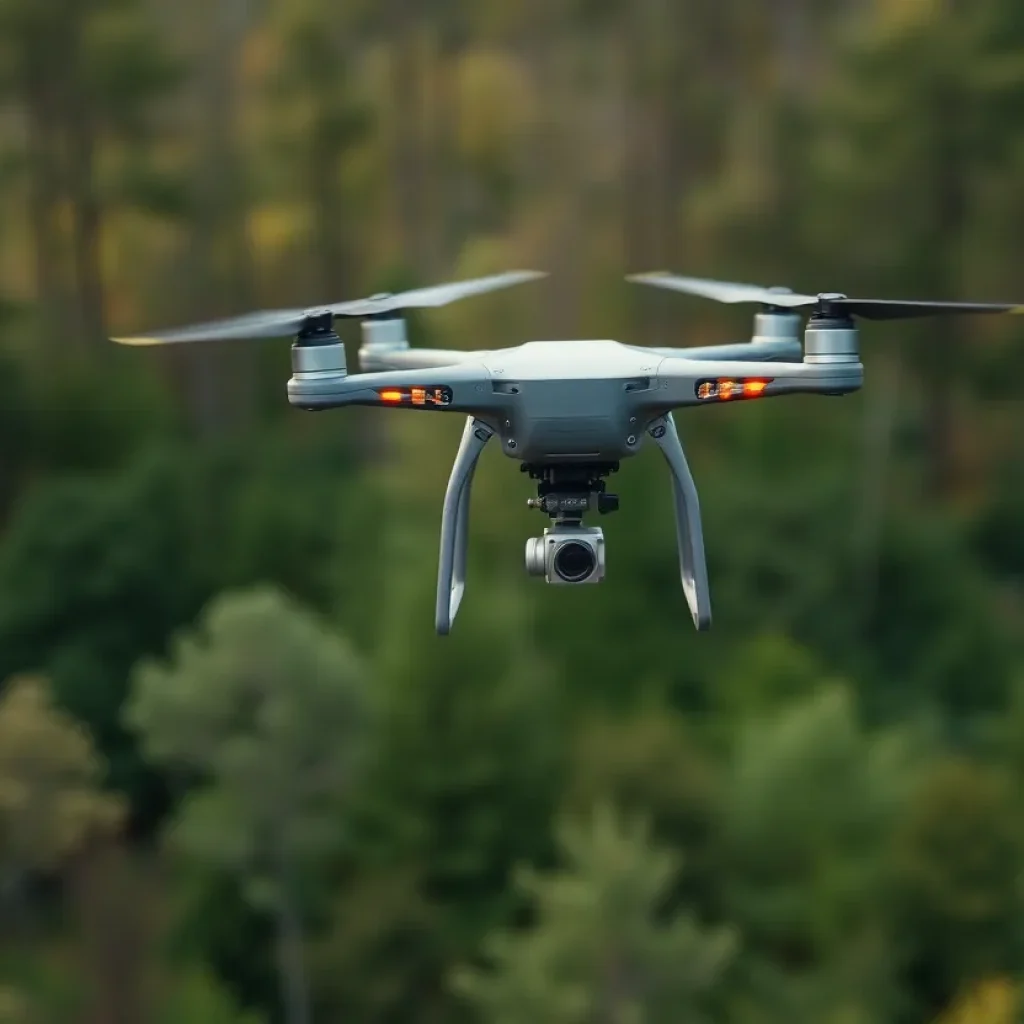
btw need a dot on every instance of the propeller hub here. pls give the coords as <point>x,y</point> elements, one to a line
<point>828,307</point>
<point>317,324</point>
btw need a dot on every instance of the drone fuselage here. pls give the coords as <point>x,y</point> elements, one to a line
<point>578,401</point>
<point>562,401</point>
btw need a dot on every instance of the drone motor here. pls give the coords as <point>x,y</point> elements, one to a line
<point>774,325</point>
<point>831,339</point>
<point>384,335</point>
<point>318,361</point>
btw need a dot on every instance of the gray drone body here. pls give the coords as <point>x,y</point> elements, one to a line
<point>569,411</point>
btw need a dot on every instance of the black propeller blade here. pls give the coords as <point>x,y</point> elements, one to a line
<point>823,304</point>
<point>280,323</point>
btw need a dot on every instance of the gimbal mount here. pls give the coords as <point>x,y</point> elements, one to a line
<point>566,492</point>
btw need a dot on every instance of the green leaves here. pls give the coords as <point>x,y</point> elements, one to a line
<point>267,706</point>
<point>809,803</point>
<point>599,949</point>
<point>957,857</point>
<point>127,68</point>
<point>50,777</point>
<point>199,998</point>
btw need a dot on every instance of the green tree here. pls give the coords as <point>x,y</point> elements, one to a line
<point>102,92</point>
<point>196,997</point>
<point>266,706</point>
<point>913,129</point>
<point>599,949</point>
<point>461,786</point>
<point>50,777</point>
<point>810,800</point>
<point>15,1007</point>
<point>956,892</point>
<point>321,122</point>
<point>991,1001</point>
<point>140,550</point>
<point>651,765</point>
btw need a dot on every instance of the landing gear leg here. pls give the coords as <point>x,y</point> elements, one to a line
<point>693,567</point>
<point>451,575</point>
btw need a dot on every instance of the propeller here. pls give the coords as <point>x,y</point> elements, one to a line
<point>280,323</point>
<point>824,304</point>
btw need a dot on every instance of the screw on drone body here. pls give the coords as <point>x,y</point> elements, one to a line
<point>631,439</point>
<point>658,432</point>
<point>512,443</point>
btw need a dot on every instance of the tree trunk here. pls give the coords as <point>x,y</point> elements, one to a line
<point>15,908</point>
<point>943,472</point>
<point>557,70</point>
<point>950,218</point>
<point>44,194</point>
<point>295,996</point>
<point>113,923</point>
<point>88,254</point>
<point>333,269</point>
<point>638,207</point>
<point>220,386</point>
<point>408,163</point>
<point>77,117</point>
<point>880,423</point>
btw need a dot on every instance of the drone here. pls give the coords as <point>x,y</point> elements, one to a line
<point>569,411</point>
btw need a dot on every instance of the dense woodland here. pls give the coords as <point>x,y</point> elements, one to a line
<point>241,780</point>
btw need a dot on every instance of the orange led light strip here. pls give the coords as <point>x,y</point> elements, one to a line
<point>419,396</point>
<point>725,389</point>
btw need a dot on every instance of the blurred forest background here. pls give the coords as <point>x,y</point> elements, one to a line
<point>241,780</point>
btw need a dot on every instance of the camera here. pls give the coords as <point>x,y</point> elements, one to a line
<point>567,554</point>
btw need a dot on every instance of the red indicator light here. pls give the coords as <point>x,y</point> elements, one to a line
<point>390,395</point>
<point>753,388</point>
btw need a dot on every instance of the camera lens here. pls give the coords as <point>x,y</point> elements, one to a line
<point>574,561</point>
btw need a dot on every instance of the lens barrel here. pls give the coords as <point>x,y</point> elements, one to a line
<point>574,561</point>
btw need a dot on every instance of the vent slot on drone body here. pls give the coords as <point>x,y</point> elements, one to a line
<point>505,387</point>
<point>637,384</point>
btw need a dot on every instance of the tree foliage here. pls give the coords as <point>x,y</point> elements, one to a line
<point>262,708</point>
<point>598,949</point>
<point>50,777</point>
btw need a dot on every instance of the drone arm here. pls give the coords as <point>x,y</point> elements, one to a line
<point>693,568</point>
<point>682,380</point>
<point>451,575</point>
<point>782,351</point>
<point>410,358</point>
<point>465,387</point>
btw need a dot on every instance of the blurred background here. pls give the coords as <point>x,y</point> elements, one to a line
<point>241,780</point>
